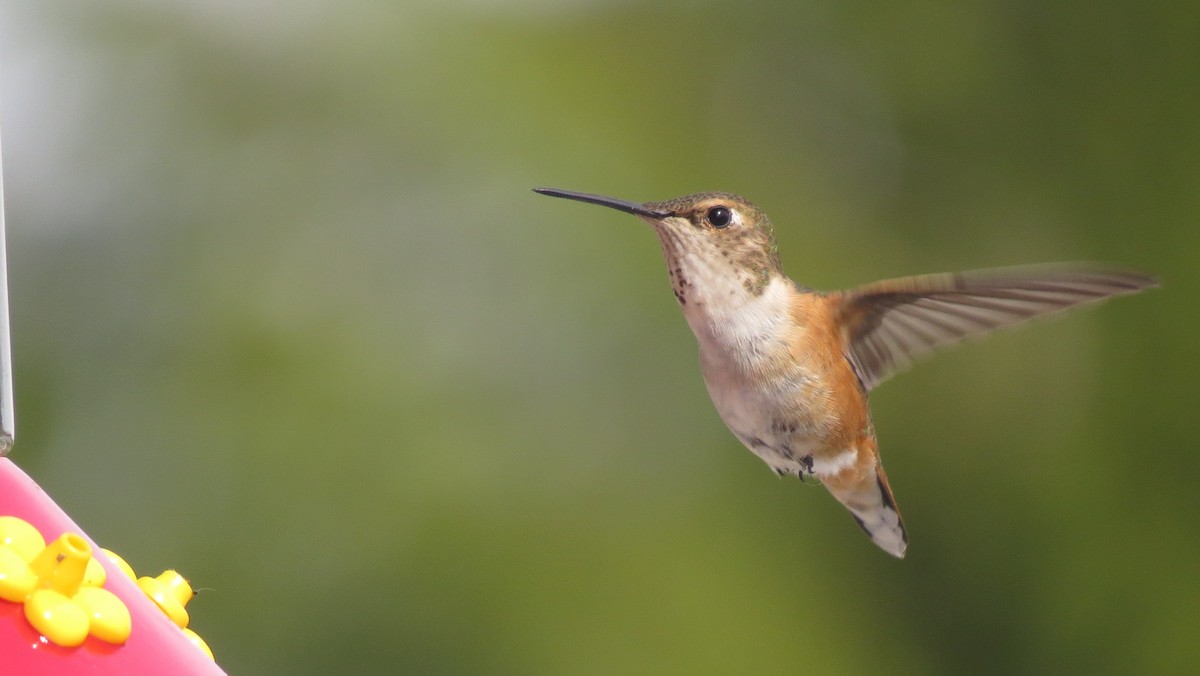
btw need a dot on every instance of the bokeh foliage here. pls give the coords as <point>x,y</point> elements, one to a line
<point>288,319</point>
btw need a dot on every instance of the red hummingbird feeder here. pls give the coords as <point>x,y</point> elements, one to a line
<point>66,605</point>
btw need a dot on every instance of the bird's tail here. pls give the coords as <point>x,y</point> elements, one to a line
<point>870,501</point>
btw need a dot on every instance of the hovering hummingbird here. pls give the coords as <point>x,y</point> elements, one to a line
<point>789,368</point>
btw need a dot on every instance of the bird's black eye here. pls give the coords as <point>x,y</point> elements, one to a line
<point>719,217</point>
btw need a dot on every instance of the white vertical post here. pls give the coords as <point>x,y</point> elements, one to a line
<point>8,429</point>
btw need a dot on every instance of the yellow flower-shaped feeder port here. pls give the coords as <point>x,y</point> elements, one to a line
<point>60,585</point>
<point>171,592</point>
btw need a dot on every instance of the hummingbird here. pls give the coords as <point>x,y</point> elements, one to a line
<point>789,368</point>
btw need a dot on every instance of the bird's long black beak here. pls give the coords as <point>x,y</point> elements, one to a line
<point>620,205</point>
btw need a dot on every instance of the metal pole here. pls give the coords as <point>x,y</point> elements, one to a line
<point>8,428</point>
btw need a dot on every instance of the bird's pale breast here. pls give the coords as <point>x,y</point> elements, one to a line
<point>776,377</point>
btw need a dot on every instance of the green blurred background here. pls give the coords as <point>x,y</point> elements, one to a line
<point>287,318</point>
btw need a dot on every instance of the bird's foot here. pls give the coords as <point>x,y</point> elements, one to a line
<point>806,467</point>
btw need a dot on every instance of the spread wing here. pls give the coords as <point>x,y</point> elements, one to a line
<point>889,324</point>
